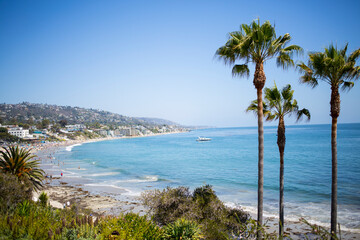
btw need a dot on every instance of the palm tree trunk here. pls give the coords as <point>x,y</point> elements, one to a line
<point>261,161</point>
<point>334,176</point>
<point>335,112</point>
<point>259,82</point>
<point>281,144</point>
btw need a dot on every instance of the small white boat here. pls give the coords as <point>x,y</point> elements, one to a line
<point>203,139</point>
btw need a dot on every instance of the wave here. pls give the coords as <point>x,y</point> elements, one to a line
<point>102,174</point>
<point>78,169</point>
<point>104,185</point>
<point>141,180</point>
<point>69,148</point>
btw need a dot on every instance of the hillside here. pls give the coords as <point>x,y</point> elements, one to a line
<point>34,112</point>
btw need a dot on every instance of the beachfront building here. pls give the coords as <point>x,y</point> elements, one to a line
<point>75,127</point>
<point>18,132</point>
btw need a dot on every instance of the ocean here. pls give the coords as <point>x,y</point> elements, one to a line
<point>229,163</point>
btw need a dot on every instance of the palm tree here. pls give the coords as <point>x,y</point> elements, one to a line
<point>19,162</point>
<point>337,69</point>
<point>276,106</point>
<point>257,43</point>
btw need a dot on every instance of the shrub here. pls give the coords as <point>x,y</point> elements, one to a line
<point>129,226</point>
<point>183,229</point>
<point>201,206</point>
<point>169,204</point>
<point>13,192</point>
<point>43,199</point>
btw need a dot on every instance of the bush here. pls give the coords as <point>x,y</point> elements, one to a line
<point>13,192</point>
<point>183,229</point>
<point>201,206</point>
<point>43,199</point>
<point>129,226</point>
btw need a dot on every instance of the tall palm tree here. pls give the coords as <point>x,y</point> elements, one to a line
<point>256,43</point>
<point>337,69</point>
<point>19,162</point>
<point>276,106</point>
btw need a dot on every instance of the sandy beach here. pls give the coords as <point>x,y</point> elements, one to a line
<point>99,203</point>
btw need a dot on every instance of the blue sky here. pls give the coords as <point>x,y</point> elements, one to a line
<point>156,58</point>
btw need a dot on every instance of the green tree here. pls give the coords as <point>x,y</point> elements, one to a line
<point>45,123</point>
<point>63,122</point>
<point>276,106</point>
<point>19,162</point>
<point>337,69</point>
<point>256,43</point>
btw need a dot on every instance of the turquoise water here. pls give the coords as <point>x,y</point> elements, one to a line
<point>229,163</point>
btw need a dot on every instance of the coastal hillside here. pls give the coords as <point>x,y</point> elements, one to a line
<point>34,112</point>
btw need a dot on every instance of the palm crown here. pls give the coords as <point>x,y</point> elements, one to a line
<point>332,66</point>
<point>257,43</point>
<point>19,162</point>
<point>278,104</point>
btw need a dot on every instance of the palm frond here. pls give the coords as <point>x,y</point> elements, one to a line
<point>241,70</point>
<point>346,86</point>
<point>19,162</point>
<point>354,55</point>
<point>253,107</point>
<point>303,112</point>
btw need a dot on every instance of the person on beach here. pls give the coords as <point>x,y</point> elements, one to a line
<point>61,174</point>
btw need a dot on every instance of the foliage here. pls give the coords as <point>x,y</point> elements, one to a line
<point>12,191</point>
<point>277,104</point>
<point>18,161</point>
<point>321,232</point>
<point>183,229</point>
<point>5,136</point>
<point>130,226</point>
<point>202,206</point>
<point>249,231</point>
<point>43,199</point>
<point>332,66</point>
<point>257,43</point>
<point>35,113</point>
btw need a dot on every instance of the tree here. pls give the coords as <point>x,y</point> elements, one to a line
<point>63,122</point>
<point>256,43</point>
<point>337,69</point>
<point>45,123</point>
<point>276,106</point>
<point>19,162</point>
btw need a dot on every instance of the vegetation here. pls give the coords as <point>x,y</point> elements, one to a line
<point>257,43</point>
<point>13,192</point>
<point>44,114</point>
<point>337,69</point>
<point>276,106</point>
<point>21,218</point>
<point>5,136</point>
<point>19,162</point>
<point>202,207</point>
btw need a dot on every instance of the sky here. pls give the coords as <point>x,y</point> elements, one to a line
<point>157,58</point>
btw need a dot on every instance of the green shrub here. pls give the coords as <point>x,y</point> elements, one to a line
<point>43,199</point>
<point>130,226</point>
<point>201,206</point>
<point>13,192</point>
<point>169,204</point>
<point>183,229</point>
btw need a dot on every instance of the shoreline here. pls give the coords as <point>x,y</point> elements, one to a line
<point>105,203</point>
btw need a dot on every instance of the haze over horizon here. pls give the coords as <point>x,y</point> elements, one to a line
<point>156,59</point>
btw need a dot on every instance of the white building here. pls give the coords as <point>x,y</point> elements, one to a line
<point>19,132</point>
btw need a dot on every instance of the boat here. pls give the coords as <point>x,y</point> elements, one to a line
<point>203,139</point>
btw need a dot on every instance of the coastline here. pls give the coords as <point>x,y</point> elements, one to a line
<point>101,203</point>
